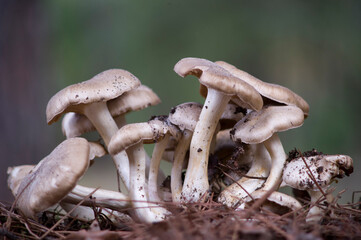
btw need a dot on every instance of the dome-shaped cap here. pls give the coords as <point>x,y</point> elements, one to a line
<point>257,127</point>
<point>324,169</point>
<point>53,177</point>
<point>103,87</point>
<point>185,115</point>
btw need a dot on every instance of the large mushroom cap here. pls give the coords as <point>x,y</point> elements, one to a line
<point>272,91</point>
<point>54,177</point>
<point>214,76</point>
<point>257,127</point>
<point>102,87</point>
<point>324,168</point>
<point>185,115</point>
<point>76,124</point>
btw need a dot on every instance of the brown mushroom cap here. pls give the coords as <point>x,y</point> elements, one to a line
<point>257,127</point>
<point>185,115</point>
<point>272,91</point>
<point>53,177</point>
<point>103,87</point>
<point>215,77</point>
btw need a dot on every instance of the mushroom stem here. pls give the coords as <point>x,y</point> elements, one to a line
<point>102,120</point>
<point>240,190</point>
<point>137,190</point>
<point>315,213</point>
<point>101,198</point>
<point>179,155</point>
<point>154,168</point>
<point>196,180</point>
<point>278,160</point>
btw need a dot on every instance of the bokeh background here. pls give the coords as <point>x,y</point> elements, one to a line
<point>311,47</point>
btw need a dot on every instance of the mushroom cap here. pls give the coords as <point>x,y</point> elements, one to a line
<point>76,124</point>
<point>16,176</point>
<point>96,150</point>
<point>103,87</point>
<point>215,77</point>
<point>272,91</point>
<point>324,169</point>
<point>257,127</point>
<point>148,132</point>
<point>134,100</point>
<point>185,115</point>
<point>53,177</point>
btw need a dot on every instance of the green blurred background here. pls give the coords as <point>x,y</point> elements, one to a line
<point>311,47</point>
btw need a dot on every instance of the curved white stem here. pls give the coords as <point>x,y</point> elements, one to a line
<point>278,159</point>
<point>179,155</point>
<point>196,180</point>
<point>238,191</point>
<point>315,213</point>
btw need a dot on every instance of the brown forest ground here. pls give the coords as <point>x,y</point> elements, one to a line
<point>197,221</point>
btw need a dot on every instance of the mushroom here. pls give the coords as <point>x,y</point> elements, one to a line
<point>158,151</point>
<point>237,192</point>
<point>221,87</point>
<point>271,91</point>
<point>262,127</point>
<point>314,173</point>
<point>90,99</point>
<point>185,116</point>
<point>53,177</point>
<point>130,138</point>
<point>277,202</point>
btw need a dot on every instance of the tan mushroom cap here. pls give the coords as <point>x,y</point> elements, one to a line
<point>76,124</point>
<point>185,115</point>
<point>215,77</point>
<point>53,177</point>
<point>147,132</point>
<point>103,87</point>
<point>272,91</point>
<point>134,100</point>
<point>257,127</point>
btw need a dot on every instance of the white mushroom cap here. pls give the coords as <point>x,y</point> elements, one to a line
<point>54,177</point>
<point>272,91</point>
<point>16,175</point>
<point>324,168</point>
<point>103,87</point>
<point>257,127</point>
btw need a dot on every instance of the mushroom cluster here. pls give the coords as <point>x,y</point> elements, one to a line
<point>226,148</point>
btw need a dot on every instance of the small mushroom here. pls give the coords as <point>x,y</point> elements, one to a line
<point>90,99</point>
<point>262,127</point>
<point>221,87</point>
<point>130,138</point>
<point>53,177</point>
<point>237,192</point>
<point>314,174</point>
<point>277,202</point>
<point>185,116</point>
